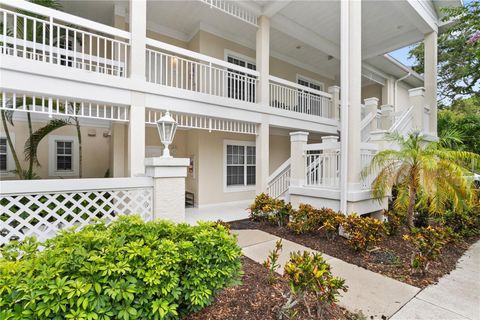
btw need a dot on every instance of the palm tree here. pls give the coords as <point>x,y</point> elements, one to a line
<point>425,173</point>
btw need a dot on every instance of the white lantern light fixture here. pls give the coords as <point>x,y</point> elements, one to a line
<point>166,129</point>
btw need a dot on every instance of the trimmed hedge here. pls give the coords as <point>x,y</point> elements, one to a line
<point>126,270</point>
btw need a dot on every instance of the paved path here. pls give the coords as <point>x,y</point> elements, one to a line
<point>455,296</point>
<point>375,295</point>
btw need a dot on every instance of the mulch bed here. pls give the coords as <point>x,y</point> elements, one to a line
<point>391,258</point>
<point>256,299</point>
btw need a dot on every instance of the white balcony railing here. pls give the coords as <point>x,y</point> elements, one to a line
<point>290,96</point>
<point>176,67</point>
<point>47,35</point>
<point>322,163</point>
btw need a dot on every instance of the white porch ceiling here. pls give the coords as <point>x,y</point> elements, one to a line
<point>313,26</point>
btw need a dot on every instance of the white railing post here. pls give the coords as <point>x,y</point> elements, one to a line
<point>335,102</point>
<point>168,187</point>
<point>417,100</point>
<point>298,141</point>
<point>387,117</point>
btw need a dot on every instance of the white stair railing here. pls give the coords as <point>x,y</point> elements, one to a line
<point>367,152</point>
<point>404,123</point>
<point>279,181</point>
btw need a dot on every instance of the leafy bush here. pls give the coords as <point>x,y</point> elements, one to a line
<point>266,208</point>
<point>309,274</point>
<point>363,232</point>
<point>126,270</point>
<point>395,219</point>
<point>428,243</point>
<point>464,224</point>
<point>272,262</point>
<point>308,219</point>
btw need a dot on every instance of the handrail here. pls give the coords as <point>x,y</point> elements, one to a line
<point>397,124</point>
<point>367,120</point>
<point>284,166</point>
<point>322,146</point>
<point>68,185</point>
<point>195,55</point>
<point>66,17</point>
<point>299,86</point>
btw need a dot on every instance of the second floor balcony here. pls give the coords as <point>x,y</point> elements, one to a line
<point>57,38</point>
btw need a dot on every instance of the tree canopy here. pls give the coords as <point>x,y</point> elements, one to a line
<point>458,54</point>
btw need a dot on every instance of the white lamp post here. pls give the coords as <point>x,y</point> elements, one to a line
<point>166,129</point>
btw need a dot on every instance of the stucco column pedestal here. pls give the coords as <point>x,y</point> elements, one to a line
<point>168,187</point>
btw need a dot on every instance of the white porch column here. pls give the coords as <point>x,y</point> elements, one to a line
<point>388,91</point>
<point>262,152</point>
<point>168,187</point>
<point>136,128</point>
<point>416,98</point>
<point>350,77</point>
<point>298,141</point>
<point>136,136</point>
<point>430,75</point>
<point>335,92</point>
<point>263,59</point>
<point>138,29</point>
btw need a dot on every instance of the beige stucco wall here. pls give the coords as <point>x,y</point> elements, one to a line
<point>402,97</point>
<point>279,151</point>
<point>373,90</point>
<point>95,149</point>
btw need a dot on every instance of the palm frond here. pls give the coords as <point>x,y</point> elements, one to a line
<point>31,145</point>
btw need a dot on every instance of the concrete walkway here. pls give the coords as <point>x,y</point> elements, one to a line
<point>223,211</point>
<point>455,296</point>
<point>375,295</point>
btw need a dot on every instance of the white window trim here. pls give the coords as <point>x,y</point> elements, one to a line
<point>52,172</point>
<point>304,78</point>
<point>10,161</point>
<point>235,188</point>
<point>231,53</point>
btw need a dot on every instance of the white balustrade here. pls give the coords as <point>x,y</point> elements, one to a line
<point>322,163</point>
<point>176,67</point>
<point>55,37</point>
<point>203,122</point>
<point>279,180</point>
<point>55,106</point>
<point>290,96</point>
<point>42,207</point>
<point>367,152</point>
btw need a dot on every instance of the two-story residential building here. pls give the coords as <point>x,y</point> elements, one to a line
<point>287,97</point>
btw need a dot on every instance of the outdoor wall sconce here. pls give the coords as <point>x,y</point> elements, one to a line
<point>166,129</point>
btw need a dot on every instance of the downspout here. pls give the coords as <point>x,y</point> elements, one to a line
<point>395,89</point>
<point>344,93</point>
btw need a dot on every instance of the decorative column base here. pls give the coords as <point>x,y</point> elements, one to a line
<point>168,187</point>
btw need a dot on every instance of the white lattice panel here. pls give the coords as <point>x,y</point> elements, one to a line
<point>43,214</point>
<point>204,122</point>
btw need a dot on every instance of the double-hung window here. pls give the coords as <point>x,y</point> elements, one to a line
<point>3,155</point>
<point>63,155</point>
<point>240,164</point>
<point>308,101</point>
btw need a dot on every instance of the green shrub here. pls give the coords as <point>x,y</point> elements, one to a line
<point>395,219</point>
<point>266,208</point>
<point>309,274</point>
<point>464,224</point>
<point>308,219</point>
<point>363,232</point>
<point>126,270</point>
<point>272,262</point>
<point>428,243</point>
